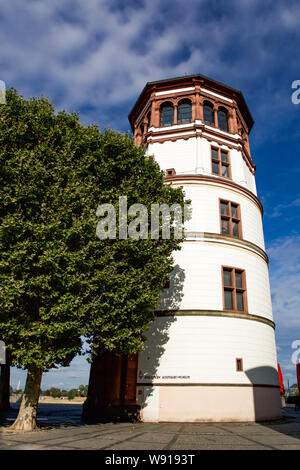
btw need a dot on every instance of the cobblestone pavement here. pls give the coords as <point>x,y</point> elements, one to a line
<point>60,428</point>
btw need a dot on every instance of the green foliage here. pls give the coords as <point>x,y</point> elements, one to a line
<point>72,394</point>
<point>82,390</point>
<point>58,281</point>
<point>40,316</point>
<point>55,392</point>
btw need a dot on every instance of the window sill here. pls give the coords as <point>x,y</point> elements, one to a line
<point>234,311</point>
<point>223,177</point>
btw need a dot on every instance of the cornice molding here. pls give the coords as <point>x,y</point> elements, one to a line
<point>215,313</point>
<point>198,129</point>
<point>214,179</point>
<point>209,384</point>
<point>231,241</point>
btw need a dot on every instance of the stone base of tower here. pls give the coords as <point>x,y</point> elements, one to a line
<point>207,403</point>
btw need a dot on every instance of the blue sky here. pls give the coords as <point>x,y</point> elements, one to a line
<point>96,56</point>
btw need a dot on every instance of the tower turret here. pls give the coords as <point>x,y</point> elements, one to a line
<point>211,353</point>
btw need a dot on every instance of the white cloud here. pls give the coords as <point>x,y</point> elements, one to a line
<point>280,209</point>
<point>284,256</point>
<point>99,54</point>
<point>291,16</point>
<point>63,377</point>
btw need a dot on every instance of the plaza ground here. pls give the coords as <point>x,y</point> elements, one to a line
<point>60,428</point>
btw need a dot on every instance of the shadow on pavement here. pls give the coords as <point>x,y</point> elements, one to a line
<point>267,400</point>
<point>49,415</point>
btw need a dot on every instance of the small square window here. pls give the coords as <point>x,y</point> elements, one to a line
<point>239,365</point>
<point>170,172</point>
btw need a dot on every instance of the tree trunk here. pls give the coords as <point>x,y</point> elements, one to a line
<point>26,420</point>
<point>94,400</point>
<point>4,385</point>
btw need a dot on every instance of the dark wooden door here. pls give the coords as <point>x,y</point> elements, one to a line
<point>118,379</point>
<point>131,379</point>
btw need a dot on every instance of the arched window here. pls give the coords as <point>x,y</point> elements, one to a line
<point>166,114</point>
<point>222,119</point>
<point>208,113</point>
<point>184,111</point>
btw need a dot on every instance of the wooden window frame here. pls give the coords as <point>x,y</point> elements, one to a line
<point>183,102</point>
<point>172,174</point>
<point>221,109</point>
<point>231,219</point>
<point>237,361</point>
<point>166,104</point>
<point>209,104</point>
<point>235,289</point>
<point>220,162</point>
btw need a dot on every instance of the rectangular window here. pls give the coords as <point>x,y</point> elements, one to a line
<point>239,364</point>
<point>234,288</point>
<point>230,215</point>
<point>220,162</point>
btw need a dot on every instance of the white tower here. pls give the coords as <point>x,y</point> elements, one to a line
<point>211,353</point>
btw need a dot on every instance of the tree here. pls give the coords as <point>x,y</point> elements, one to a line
<point>134,270</point>
<point>4,385</point>
<point>41,218</point>
<point>57,279</point>
<point>82,390</point>
<point>55,392</point>
<point>71,394</point>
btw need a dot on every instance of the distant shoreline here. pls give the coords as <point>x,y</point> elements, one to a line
<point>51,400</point>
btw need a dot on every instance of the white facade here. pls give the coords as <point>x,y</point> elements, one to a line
<point>193,156</point>
<point>188,370</point>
